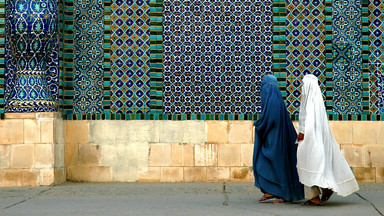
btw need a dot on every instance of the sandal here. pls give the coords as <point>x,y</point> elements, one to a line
<point>268,199</point>
<point>327,193</point>
<point>311,203</point>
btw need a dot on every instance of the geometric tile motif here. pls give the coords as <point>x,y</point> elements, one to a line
<point>215,53</point>
<point>130,52</point>
<point>305,31</point>
<point>88,59</point>
<point>347,57</point>
<point>48,63</point>
<point>376,57</point>
<point>2,53</point>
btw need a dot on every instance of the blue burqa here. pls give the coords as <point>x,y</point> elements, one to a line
<point>274,155</point>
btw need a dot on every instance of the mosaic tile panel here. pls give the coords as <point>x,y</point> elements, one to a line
<point>347,57</point>
<point>32,74</point>
<point>88,59</point>
<point>215,53</point>
<point>328,57</point>
<point>376,56</point>
<point>2,55</point>
<point>365,56</point>
<point>305,31</point>
<point>279,44</point>
<point>130,43</point>
<point>156,56</point>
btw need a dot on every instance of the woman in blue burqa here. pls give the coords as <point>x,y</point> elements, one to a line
<point>274,155</point>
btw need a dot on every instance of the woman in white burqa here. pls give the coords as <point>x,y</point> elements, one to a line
<point>320,164</point>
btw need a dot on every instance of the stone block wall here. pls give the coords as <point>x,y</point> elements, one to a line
<point>41,149</point>
<point>185,151</point>
<point>31,150</point>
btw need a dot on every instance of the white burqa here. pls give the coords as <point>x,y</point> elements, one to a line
<point>319,159</point>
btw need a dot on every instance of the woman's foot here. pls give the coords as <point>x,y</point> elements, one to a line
<point>268,198</point>
<point>327,193</point>
<point>313,202</point>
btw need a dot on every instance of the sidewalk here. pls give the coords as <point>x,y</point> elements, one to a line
<point>174,199</point>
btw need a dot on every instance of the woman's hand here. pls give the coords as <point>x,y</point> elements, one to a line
<point>299,138</point>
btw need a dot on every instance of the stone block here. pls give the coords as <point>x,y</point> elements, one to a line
<point>47,115</point>
<point>217,174</point>
<point>125,173</point>
<point>365,174</point>
<point>138,154</point>
<point>77,132</point>
<point>193,174</point>
<point>171,132</point>
<point>100,174</point>
<point>44,156</point>
<point>108,155</point>
<point>246,155</point>
<point>12,131</point>
<point>60,176</point>
<point>217,132</point>
<point>373,155</point>
<point>22,156</point>
<point>89,155</point>
<point>177,155</point>
<point>71,154</point>
<point>29,178</point>
<point>102,132</point>
<point>20,115</point>
<point>353,154</point>
<point>10,178</point>
<point>5,159</point>
<point>229,155</point>
<point>47,131</point>
<point>151,175</point>
<point>380,134</point>
<point>59,154</point>
<point>188,155</point>
<point>193,132</point>
<point>47,177</point>
<point>241,174</point>
<point>79,173</point>
<point>31,131</point>
<point>342,130</point>
<point>144,131</point>
<point>171,174</point>
<point>60,131</point>
<point>160,155</point>
<point>206,155</point>
<point>365,132</point>
<point>240,132</point>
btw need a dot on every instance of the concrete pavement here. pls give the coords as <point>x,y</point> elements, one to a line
<point>175,199</point>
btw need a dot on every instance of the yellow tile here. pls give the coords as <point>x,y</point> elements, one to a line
<point>353,154</point>
<point>229,155</point>
<point>44,155</point>
<point>373,155</point>
<point>240,132</point>
<point>5,159</point>
<point>77,132</point>
<point>20,115</point>
<point>192,174</point>
<point>100,174</point>
<point>29,178</point>
<point>217,174</point>
<point>241,174</point>
<point>177,155</point>
<point>365,174</point>
<point>79,173</point>
<point>217,132</point>
<point>365,132</point>
<point>151,175</point>
<point>11,177</point>
<point>171,174</point>
<point>31,131</point>
<point>89,155</point>
<point>188,155</point>
<point>246,154</point>
<point>12,131</point>
<point>206,155</point>
<point>47,131</point>
<point>71,154</point>
<point>160,155</point>
<point>47,177</point>
<point>342,130</point>
<point>22,156</point>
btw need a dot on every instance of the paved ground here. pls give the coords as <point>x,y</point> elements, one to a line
<point>174,199</point>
